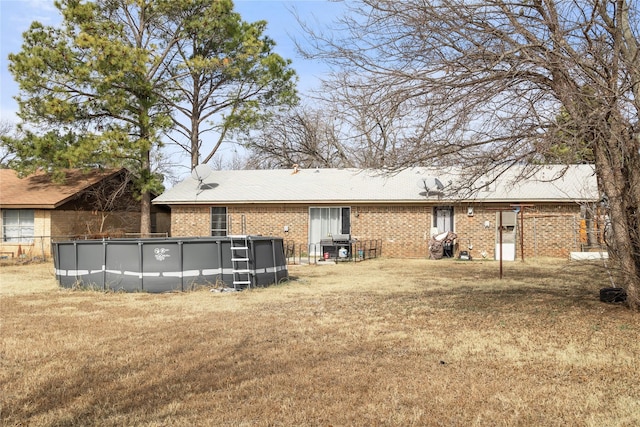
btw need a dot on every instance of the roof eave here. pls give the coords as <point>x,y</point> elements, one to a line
<point>367,201</point>
<point>27,206</point>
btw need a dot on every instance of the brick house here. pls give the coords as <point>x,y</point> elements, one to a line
<point>550,213</point>
<point>34,210</point>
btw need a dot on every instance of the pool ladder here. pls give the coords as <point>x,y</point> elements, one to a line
<point>240,262</point>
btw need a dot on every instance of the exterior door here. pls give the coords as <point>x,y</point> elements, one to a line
<point>507,234</point>
<point>443,219</point>
<point>324,222</point>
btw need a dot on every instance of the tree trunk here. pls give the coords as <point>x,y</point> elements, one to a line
<point>195,144</point>
<point>195,126</point>
<point>145,214</point>
<point>145,197</point>
<point>615,173</point>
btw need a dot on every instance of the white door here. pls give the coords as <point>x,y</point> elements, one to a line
<point>443,219</point>
<point>507,235</point>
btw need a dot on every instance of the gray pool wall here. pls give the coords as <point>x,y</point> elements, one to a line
<point>164,265</point>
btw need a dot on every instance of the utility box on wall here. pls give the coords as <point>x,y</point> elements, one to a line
<point>508,237</point>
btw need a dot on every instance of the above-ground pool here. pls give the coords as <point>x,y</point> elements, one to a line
<point>170,264</point>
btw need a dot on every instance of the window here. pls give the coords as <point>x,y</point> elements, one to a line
<point>218,221</point>
<point>17,225</point>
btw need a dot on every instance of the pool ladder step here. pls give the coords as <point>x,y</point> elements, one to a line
<point>240,262</point>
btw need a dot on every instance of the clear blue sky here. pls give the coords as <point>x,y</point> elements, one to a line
<point>17,15</point>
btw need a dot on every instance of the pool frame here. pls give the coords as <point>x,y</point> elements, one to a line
<point>165,264</point>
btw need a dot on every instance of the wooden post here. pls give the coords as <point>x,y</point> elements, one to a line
<point>500,251</point>
<point>522,233</point>
<point>522,208</point>
<point>500,226</point>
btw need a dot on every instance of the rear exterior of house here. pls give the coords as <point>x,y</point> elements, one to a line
<point>539,218</point>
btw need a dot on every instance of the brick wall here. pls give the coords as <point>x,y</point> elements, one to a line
<point>190,221</point>
<point>63,224</point>
<point>404,230</point>
<point>265,220</point>
<point>549,230</point>
<point>77,222</point>
<point>272,220</point>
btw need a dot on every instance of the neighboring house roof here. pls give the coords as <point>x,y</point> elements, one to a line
<point>578,183</point>
<point>39,192</point>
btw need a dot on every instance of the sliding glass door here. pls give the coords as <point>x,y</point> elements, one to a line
<point>324,222</point>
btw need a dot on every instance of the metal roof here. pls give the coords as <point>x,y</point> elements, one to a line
<point>308,186</point>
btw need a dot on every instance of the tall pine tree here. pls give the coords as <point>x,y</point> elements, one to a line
<point>101,88</point>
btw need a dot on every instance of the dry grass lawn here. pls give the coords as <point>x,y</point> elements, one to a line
<point>377,343</point>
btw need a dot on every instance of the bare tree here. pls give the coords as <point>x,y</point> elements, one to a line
<point>350,125</point>
<point>379,126</point>
<point>111,199</point>
<point>5,130</point>
<point>304,136</point>
<point>485,82</point>
<point>235,160</point>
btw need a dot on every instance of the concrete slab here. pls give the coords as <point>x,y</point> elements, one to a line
<point>584,256</point>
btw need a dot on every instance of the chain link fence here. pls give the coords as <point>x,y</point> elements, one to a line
<point>39,248</point>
